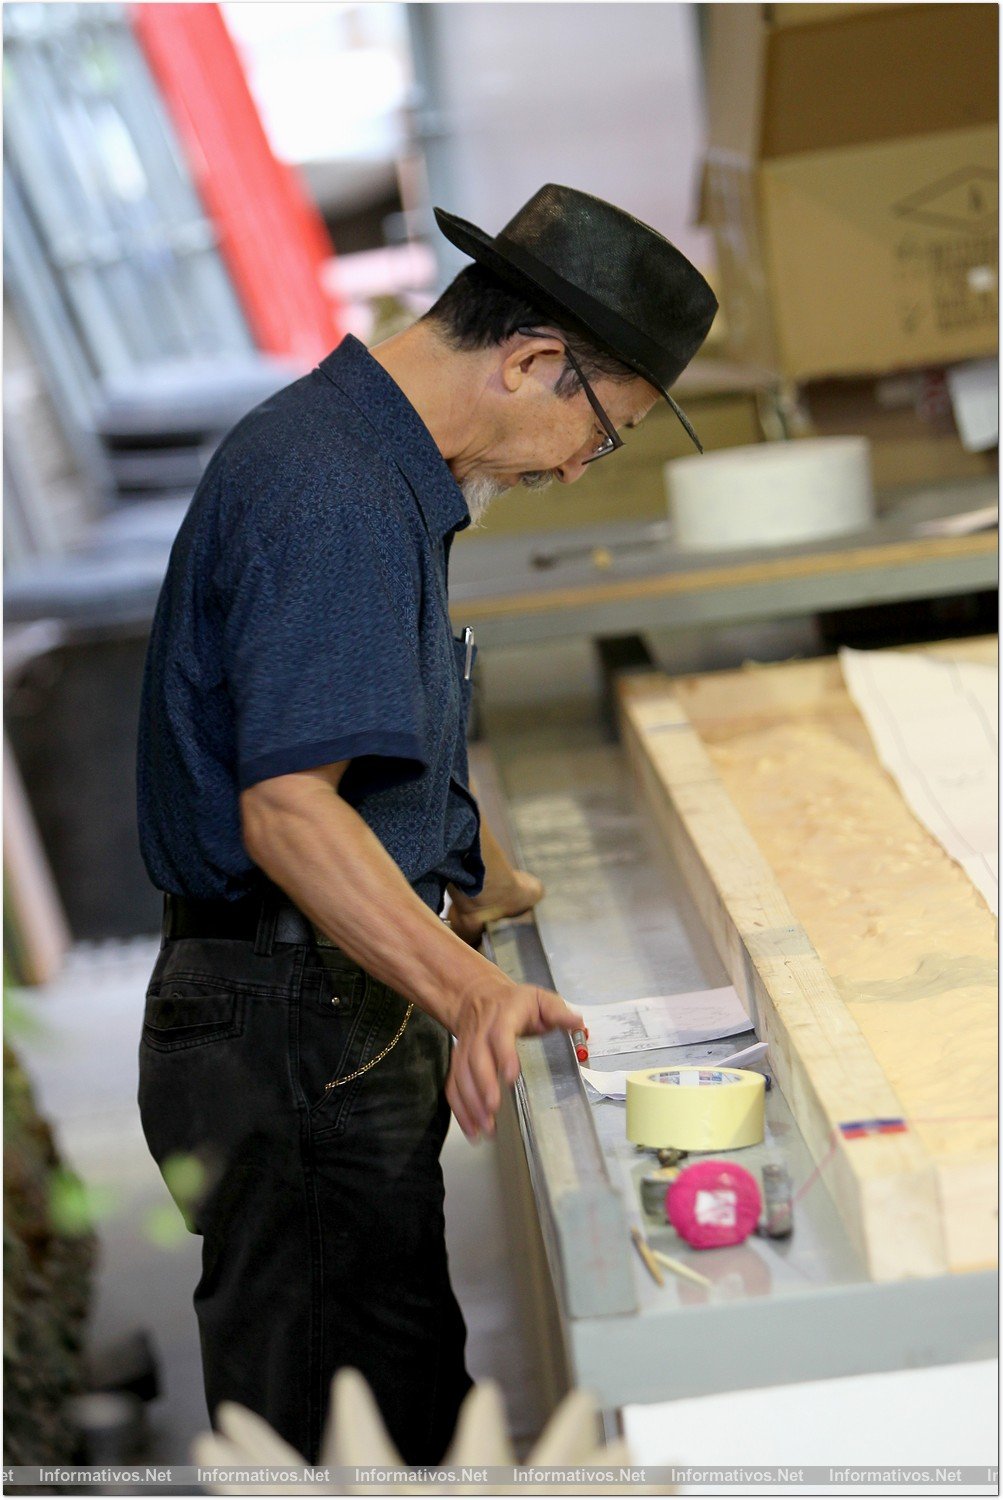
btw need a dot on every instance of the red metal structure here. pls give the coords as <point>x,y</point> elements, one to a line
<point>271,236</point>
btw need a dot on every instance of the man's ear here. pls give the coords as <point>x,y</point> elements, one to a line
<point>524,352</point>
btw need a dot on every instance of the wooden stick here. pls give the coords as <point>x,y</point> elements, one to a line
<point>681,1270</point>
<point>644,1251</point>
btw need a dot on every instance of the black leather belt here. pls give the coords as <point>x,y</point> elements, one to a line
<point>261,919</point>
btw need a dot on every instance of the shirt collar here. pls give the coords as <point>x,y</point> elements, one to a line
<point>382,402</point>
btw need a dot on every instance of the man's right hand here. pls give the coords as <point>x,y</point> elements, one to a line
<point>485,1056</point>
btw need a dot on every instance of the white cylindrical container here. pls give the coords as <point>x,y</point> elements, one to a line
<point>771,493</point>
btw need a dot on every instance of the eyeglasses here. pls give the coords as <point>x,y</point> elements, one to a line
<point>612,441</point>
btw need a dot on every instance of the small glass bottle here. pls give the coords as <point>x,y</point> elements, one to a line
<point>778,1206</point>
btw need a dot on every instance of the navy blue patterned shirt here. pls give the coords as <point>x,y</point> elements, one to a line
<point>304,620</point>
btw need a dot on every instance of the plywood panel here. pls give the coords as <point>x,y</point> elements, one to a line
<point>880,998</point>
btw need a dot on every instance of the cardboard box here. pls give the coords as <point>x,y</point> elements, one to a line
<point>851,183</point>
<point>810,13</point>
<point>908,419</point>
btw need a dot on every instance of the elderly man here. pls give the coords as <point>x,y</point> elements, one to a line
<point>304,805</point>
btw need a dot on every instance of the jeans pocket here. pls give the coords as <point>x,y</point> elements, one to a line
<point>337,1048</point>
<point>191,1013</point>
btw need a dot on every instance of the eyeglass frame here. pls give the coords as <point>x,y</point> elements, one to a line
<point>613,438</point>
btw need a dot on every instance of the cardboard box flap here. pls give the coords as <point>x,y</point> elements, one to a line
<point>863,75</point>
<point>811,13</point>
<point>883,75</point>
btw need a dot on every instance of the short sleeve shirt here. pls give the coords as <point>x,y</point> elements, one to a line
<point>304,620</point>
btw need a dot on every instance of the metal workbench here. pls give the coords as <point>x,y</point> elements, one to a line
<point>620,579</point>
<point>616,924</point>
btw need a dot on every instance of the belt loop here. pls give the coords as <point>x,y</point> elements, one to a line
<point>165,921</point>
<point>268,916</point>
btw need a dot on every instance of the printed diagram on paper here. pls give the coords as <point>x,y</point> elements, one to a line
<point>663,1021</point>
<point>935,725</point>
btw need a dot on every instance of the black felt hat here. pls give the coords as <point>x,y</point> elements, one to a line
<point>621,282</point>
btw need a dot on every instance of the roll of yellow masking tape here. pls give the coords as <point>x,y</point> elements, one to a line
<point>695,1109</point>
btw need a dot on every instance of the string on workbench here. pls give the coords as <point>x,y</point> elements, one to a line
<point>818,1169</point>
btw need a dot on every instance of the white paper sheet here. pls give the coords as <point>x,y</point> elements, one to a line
<point>663,1021</point>
<point>612,1083</point>
<point>609,1085</point>
<point>964,523</point>
<point>975,397</point>
<point>935,726</point>
<point>911,1419</point>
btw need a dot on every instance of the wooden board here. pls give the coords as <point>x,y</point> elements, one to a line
<point>33,914</point>
<point>780,568</point>
<point>863,952</point>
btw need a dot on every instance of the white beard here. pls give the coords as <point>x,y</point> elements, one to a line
<point>479,490</point>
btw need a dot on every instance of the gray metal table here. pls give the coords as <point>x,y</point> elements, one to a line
<point>620,579</point>
<point>617,925</point>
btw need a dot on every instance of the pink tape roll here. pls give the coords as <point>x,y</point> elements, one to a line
<point>713,1203</point>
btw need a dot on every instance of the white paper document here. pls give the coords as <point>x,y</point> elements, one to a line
<point>945,1415</point>
<point>611,1085</point>
<point>663,1021</point>
<point>964,523</point>
<point>935,725</point>
<point>975,397</point>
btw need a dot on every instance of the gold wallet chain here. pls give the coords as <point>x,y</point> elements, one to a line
<point>337,1083</point>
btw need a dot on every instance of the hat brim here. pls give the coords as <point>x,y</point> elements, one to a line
<point>484,249</point>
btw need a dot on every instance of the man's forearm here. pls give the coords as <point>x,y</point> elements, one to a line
<point>313,845</point>
<point>497,865</point>
<point>327,860</point>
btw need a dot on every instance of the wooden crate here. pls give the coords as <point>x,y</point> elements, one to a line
<point>862,951</point>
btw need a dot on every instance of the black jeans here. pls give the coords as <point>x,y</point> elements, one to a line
<point>320,1210</point>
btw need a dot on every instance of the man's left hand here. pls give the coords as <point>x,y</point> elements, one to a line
<point>517,893</point>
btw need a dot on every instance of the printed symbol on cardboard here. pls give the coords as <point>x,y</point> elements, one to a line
<point>965,199</point>
<point>911,317</point>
